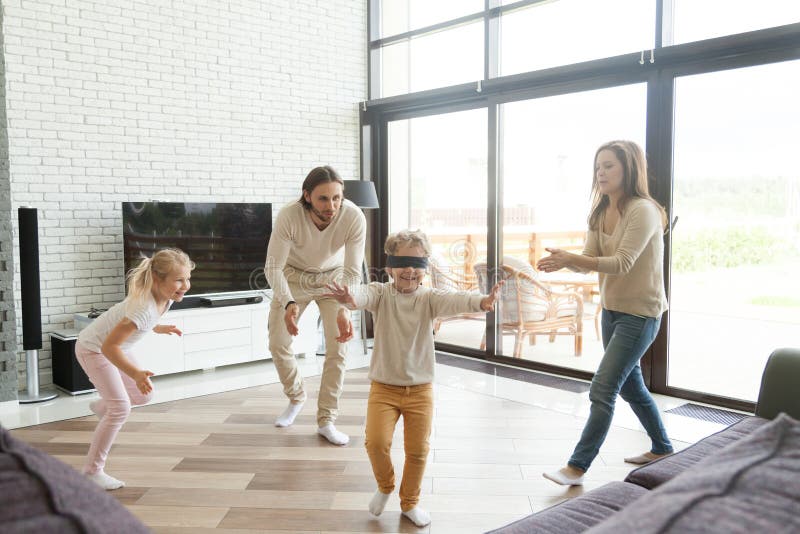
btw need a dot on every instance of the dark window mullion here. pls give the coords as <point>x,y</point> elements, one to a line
<point>494,210</point>
<point>658,146</point>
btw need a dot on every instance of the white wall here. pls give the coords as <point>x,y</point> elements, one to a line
<point>132,100</point>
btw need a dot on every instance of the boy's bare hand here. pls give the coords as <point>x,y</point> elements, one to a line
<point>487,304</point>
<point>340,293</point>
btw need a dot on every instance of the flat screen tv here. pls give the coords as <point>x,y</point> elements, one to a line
<point>227,241</point>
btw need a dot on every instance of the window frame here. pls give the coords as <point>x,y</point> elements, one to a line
<point>758,47</point>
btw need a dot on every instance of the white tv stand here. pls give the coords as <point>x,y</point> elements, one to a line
<point>220,334</point>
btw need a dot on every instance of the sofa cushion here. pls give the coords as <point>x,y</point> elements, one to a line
<point>579,514</point>
<point>667,468</point>
<point>753,485</point>
<point>43,494</point>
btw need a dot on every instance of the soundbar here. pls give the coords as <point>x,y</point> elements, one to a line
<point>220,301</point>
<point>216,301</point>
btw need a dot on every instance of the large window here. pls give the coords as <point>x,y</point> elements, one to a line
<point>400,16</point>
<point>547,169</point>
<point>498,170</point>
<point>437,182</point>
<point>415,64</point>
<point>736,247</point>
<point>695,20</point>
<point>550,34</point>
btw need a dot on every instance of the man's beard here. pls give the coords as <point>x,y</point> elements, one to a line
<point>321,216</point>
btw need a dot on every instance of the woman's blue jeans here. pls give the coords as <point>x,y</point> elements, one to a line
<point>625,339</point>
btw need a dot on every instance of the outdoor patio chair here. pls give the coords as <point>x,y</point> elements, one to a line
<point>529,308</point>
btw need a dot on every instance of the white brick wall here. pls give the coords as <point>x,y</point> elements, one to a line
<point>195,100</point>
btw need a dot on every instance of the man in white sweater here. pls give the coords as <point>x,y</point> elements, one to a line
<point>316,240</point>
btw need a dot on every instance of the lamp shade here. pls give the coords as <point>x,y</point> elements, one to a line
<point>361,193</point>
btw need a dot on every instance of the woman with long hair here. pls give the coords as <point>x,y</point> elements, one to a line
<point>625,246</point>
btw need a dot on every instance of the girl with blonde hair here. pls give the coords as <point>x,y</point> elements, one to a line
<point>105,350</point>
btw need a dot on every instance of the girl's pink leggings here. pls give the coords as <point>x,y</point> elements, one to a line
<point>118,392</point>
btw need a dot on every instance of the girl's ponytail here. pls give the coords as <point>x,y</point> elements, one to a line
<point>140,279</point>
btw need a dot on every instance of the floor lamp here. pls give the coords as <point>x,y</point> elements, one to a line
<point>362,194</point>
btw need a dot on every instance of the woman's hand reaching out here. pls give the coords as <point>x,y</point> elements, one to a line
<point>558,259</point>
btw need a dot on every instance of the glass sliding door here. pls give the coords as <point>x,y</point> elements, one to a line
<point>736,247</point>
<point>438,184</point>
<point>547,165</point>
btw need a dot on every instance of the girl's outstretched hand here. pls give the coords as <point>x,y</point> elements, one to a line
<point>487,304</point>
<point>167,329</point>
<point>340,293</point>
<point>142,379</point>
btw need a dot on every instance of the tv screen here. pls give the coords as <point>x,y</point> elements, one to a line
<point>227,241</point>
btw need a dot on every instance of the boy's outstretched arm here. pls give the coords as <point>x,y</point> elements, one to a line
<point>487,304</point>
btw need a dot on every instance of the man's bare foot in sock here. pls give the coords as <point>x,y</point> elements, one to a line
<point>418,516</point>
<point>645,458</point>
<point>289,414</point>
<point>329,432</point>
<point>378,502</point>
<point>566,476</point>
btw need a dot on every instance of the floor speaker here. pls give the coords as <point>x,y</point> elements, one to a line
<point>31,304</point>
<point>68,375</point>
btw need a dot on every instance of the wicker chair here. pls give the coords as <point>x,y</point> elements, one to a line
<point>529,308</point>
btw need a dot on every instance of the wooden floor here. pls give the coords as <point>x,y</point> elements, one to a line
<point>217,463</point>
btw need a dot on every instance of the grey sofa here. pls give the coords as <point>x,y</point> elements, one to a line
<point>744,479</point>
<point>42,495</point>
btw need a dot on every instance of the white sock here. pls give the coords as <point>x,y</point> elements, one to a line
<point>98,408</point>
<point>418,516</point>
<point>289,414</point>
<point>378,502</point>
<point>330,433</point>
<point>107,482</point>
<point>565,476</point>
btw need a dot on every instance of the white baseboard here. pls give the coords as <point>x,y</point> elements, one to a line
<point>9,406</point>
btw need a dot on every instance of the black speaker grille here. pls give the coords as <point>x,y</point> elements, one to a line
<point>29,279</point>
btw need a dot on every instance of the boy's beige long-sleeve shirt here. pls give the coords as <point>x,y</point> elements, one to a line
<point>404,353</point>
<point>631,261</point>
<point>335,253</point>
